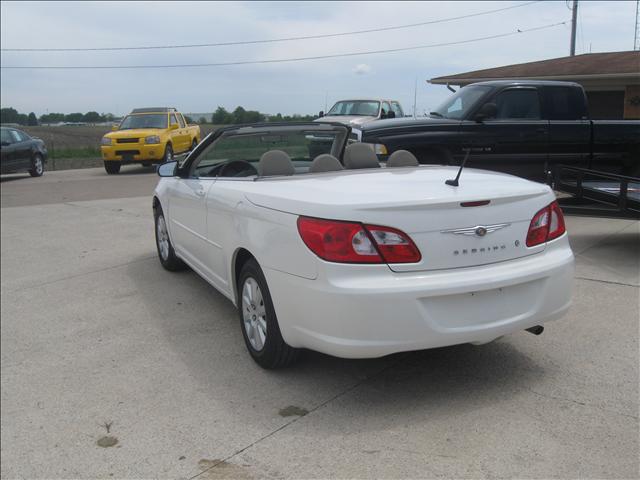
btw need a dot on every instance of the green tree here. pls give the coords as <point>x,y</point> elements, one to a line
<point>92,117</point>
<point>11,115</point>
<point>221,116</point>
<point>74,117</point>
<point>32,120</point>
<point>52,118</point>
<point>202,120</point>
<point>238,115</point>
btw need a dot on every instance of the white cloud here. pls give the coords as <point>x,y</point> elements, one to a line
<point>361,69</point>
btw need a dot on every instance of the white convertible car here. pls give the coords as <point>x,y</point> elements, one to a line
<point>336,253</point>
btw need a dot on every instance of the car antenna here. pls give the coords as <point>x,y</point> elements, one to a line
<point>454,181</point>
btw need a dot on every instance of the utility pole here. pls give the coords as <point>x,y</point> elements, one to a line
<point>636,36</point>
<point>574,21</point>
<point>415,96</point>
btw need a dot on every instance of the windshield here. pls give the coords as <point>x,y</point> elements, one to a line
<point>364,108</point>
<point>457,106</point>
<point>154,120</point>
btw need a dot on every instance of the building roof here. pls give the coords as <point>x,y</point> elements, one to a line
<point>609,66</point>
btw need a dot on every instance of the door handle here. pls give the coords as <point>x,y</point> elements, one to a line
<point>200,192</point>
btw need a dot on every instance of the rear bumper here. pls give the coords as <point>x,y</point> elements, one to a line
<point>359,311</point>
<point>135,152</point>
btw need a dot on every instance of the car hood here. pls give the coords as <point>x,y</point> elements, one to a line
<point>134,133</point>
<point>407,122</point>
<point>352,120</point>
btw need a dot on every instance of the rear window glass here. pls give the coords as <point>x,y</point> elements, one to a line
<point>518,104</point>
<point>302,148</point>
<point>565,103</point>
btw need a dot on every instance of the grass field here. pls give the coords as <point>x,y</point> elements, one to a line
<point>79,142</point>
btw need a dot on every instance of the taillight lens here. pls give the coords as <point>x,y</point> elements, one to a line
<point>546,225</point>
<point>556,228</point>
<point>394,245</point>
<point>350,242</point>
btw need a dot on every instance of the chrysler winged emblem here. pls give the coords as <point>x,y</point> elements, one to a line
<point>478,230</point>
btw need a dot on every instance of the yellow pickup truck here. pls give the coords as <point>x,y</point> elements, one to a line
<point>147,136</point>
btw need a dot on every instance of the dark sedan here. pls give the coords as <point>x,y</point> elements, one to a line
<point>21,152</point>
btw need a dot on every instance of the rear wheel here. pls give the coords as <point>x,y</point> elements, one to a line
<point>258,320</point>
<point>37,166</point>
<point>146,164</point>
<point>167,255</point>
<point>112,167</point>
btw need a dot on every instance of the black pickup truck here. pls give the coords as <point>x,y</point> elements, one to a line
<point>519,127</point>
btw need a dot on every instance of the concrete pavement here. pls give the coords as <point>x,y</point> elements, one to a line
<point>97,340</point>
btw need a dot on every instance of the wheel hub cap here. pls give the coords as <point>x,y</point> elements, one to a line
<point>163,238</point>
<point>254,314</point>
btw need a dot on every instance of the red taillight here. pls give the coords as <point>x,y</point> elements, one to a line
<point>557,227</point>
<point>546,225</point>
<point>350,242</point>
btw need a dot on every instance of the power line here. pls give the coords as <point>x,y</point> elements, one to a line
<point>281,60</point>
<point>273,40</point>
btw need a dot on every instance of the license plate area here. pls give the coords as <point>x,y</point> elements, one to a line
<point>476,309</point>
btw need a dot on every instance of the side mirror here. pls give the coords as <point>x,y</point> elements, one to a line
<point>114,127</point>
<point>174,126</point>
<point>168,169</point>
<point>488,110</point>
<point>391,114</point>
<point>321,114</point>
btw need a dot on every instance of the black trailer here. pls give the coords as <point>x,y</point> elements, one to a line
<point>597,194</point>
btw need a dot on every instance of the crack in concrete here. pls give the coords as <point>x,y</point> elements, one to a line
<point>584,404</point>
<point>314,409</point>
<point>610,282</point>
<point>70,277</point>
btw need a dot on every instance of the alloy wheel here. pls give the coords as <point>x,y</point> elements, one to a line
<point>254,314</point>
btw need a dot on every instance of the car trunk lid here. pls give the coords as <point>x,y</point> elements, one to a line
<point>448,225</point>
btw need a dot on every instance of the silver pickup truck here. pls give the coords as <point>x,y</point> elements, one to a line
<point>360,111</point>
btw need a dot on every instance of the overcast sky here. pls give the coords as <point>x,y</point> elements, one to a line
<point>299,87</point>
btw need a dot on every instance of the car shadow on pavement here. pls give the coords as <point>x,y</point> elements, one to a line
<point>134,170</point>
<point>202,328</point>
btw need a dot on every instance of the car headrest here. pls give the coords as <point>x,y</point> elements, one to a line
<point>402,158</point>
<point>360,155</point>
<point>275,162</point>
<point>325,163</point>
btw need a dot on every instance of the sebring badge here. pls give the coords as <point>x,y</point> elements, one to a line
<point>478,230</point>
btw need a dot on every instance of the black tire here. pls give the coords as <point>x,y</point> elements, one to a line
<point>146,164</point>
<point>167,257</point>
<point>168,153</point>
<point>194,144</point>
<point>37,166</point>
<point>112,167</point>
<point>275,353</point>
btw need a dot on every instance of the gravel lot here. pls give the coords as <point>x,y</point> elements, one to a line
<point>113,367</point>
